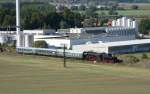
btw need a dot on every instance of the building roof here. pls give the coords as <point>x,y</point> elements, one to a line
<point>129,42</point>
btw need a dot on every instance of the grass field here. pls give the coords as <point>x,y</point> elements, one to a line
<point>130,12</point>
<point>126,12</point>
<point>140,5</point>
<point>20,74</point>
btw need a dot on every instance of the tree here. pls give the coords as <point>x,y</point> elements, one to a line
<point>39,16</point>
<point>90,22</point>
<point>91,11</point>
<point>63,24</point>
<point>71,18</point>
<point>82,7</point>
<point>40,44</point>
<point>53,20</point>
<point>144,26</point>
<point>103,22</point>
<point>112,12</point>
<point>135,7</point>
<point>74,8</point>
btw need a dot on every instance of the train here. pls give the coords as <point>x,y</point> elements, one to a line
<point>89,56</point>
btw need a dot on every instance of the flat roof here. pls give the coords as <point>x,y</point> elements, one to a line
<point>129,42</point>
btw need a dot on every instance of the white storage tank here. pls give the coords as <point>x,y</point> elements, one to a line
<point>113,23</point>
<point>2,39</point>
<point>29,39</point>
<point>134,24</point>
<point>20,40</point>
<point>129,23</point>
<point>118,22</point>
<point>124,21</point>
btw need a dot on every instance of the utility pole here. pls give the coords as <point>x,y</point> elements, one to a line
<point>64,52</point>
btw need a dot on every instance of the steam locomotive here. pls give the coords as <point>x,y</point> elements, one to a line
<point>89,56</point>
<point>100,57</point>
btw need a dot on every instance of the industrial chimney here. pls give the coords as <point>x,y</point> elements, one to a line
<point>18,33</point>
<point>18,16</point>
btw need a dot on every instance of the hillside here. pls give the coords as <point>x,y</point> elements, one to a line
<point>82,1</point>
<point>21,74</point>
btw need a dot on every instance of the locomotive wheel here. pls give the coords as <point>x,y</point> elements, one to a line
<point>91,58</point>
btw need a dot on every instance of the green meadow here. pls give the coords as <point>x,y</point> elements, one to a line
<point>24,74</point>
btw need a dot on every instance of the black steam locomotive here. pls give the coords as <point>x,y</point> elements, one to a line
<point>100,57</point>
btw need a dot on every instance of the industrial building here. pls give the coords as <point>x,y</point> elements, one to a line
<point>123,29</point>
<point>117,39</point>
<point>74,36</point>
<point>119,47</point>
<point>69,41</point>
<point>40,32</point>
<point>77,36</point>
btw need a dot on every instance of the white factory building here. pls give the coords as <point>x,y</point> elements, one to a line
<point>119,47</point>
<point>120,38</point>
<point>123,29</point>
<point>40,32</point>
<point>79,36</point>
<point>75,36</point>
<point>7,36</point>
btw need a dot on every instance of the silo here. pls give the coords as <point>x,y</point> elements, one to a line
<point>3,39</point>
<point>128,22</point>
<point>118,22</point>
<point>20,40</point>
<point>107,30</point>
<point>124,21</point>
<point>113,23</point>
<point>134,24</point>
<point>28,40</point>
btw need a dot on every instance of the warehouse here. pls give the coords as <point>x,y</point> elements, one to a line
<point>119,47</point>
<point>80,36</point>
<point>69,41</point>
<point>40,32</point>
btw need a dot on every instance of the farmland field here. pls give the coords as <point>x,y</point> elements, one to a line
<point>134,12</point>
<point>127,12</point>
<point>130,12</point>
<point>23,74</point>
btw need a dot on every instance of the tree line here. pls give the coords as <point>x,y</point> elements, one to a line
<point>39,16</point>
<point>45,16</point>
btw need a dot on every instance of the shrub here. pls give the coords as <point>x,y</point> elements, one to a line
<point>82,7</point>
<point>132,59</point>
<point>144,56</point>
<point>144,26</point>
<point>40,44</point>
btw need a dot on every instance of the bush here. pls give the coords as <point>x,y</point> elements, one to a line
<point>82,7</point>
<point>144,56</point>
<point>112,12</point>
<point>132,59</point>
<point>135,6</point>
<point>144,26</point>
<point>40,44</point>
